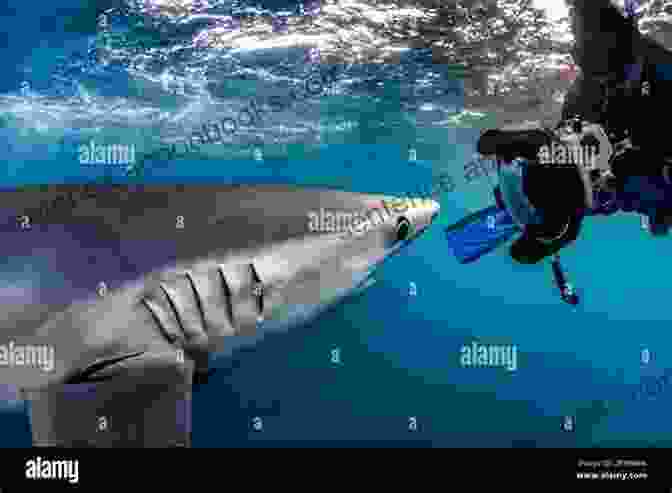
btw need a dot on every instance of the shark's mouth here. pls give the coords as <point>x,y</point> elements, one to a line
<point>367,280</point>
<point>370,281</point>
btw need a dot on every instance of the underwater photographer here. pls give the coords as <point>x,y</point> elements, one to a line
<point>611,107</point>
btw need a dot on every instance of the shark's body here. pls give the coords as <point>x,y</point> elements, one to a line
<point>187,272</point>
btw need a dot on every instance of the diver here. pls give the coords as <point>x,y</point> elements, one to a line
<point>625,80</point>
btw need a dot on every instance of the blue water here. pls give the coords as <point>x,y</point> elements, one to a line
<point>400,351</point>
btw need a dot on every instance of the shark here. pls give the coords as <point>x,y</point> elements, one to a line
<point>116,298</point>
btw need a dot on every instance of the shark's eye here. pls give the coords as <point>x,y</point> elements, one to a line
<point>403,229</point>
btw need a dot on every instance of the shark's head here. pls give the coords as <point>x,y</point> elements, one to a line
<point>206,267</point>
<point>347,236</point>
<point>319,247</point>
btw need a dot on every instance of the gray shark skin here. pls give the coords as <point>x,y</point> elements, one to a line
<point>189,271</point>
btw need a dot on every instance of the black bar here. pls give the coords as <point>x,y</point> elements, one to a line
<point>639,469</point>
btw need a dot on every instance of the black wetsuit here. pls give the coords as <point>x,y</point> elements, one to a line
<point>628,102</point>
<point>625,83</point>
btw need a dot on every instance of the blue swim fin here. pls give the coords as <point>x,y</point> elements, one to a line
<point>480,233</point>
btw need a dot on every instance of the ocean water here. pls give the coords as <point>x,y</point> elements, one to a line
<point>405,91</point>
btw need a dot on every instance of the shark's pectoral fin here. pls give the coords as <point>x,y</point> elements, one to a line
<point>136,400</point>
<point>103,369</point>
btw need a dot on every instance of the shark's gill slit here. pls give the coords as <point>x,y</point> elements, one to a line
<point>258,285</point>
<point>228,298</point>
<point>172,301</point>
<point>156,311</point>
<point>199,300</point>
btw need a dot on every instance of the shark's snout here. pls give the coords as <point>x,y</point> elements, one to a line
<point>423,214</point>
<point>413,213</point>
